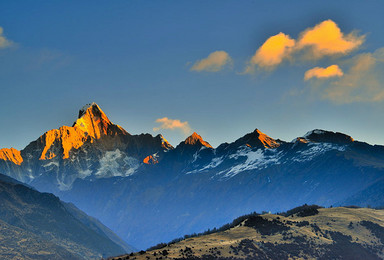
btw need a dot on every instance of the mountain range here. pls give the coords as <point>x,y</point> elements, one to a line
<point>148,191</point>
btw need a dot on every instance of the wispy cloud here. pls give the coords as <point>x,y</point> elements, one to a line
<point>4,42</point>
<point>360,83</point>
<point>215,61</point>
<point>273,51</point>
<point>173,124</point>
<point>324,73</point>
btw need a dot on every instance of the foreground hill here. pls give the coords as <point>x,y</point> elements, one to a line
<point>306,233</point>
<point>36,225</point>
<point>149,191</point>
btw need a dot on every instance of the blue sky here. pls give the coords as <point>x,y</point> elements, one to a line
<point>135,59</point>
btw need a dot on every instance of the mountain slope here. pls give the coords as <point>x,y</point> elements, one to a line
<point>32,219</point>
<point>333,233</point>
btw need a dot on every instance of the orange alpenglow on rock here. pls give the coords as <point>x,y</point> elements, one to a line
<point>11,154</point>
<point>150,160</point>
<point>92,124</point>
<point>195,139</point>
<point>267,141</point>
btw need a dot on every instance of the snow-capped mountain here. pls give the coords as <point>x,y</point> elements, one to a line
<point>139,185</point>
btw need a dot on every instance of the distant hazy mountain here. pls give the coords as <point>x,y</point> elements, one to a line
<point>337,233</point>
<point>147,192</point>
<point>36,225</point>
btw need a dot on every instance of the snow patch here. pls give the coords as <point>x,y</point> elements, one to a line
<point>85,173</point>
<point>51,163</point>
<point>115,163</point>
<point>259,159</point>
<point>213,164</point>
<point>316,149</point>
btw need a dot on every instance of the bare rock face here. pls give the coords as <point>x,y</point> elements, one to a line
<point>196,139</point>
<point>11,154</point>
<point>256,139</point>
<point>93,147</point>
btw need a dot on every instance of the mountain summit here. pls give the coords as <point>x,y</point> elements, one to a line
<point>257,139</point>
<point>196,139</point>
<point>323,136</point>
<point>91,125</point>
<point>93,121</point>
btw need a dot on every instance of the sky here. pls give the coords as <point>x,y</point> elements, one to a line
<point>220,68</point>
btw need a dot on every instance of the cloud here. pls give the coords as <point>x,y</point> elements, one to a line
<point>213,63</point>
<point>324,73</point>
<point>273,51</point>
<point>173,124</point>
<point>4,42</point>
<point>361,83</point>
<point>326,38</point>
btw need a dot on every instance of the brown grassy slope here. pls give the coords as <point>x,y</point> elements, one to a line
<point>16,243</point>
<point>333,233</point>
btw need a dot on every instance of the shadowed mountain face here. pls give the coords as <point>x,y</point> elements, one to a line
<point>337,233</point>
<point>38,225</point>
<point>128,181</point>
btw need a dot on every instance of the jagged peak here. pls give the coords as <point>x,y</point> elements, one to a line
<point>92,124</point>
<point>196,139</point>
<point>324,136</point>
<point>84,109</point>
<point>164,142</point>
<point>93,121</point>
<point>92,110</point>
<point>257,139</point>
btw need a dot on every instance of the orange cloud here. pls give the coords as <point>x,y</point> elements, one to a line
<point>324,73</point>
<point>4,42</point>
<point>172,124</point>
<point>273,51</point>
<point>326,38</point>
<point>213,63</point>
